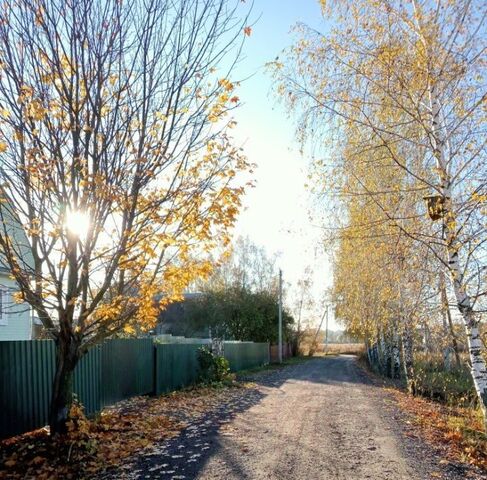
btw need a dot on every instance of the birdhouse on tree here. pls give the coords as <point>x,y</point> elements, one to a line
<point>436,206</point>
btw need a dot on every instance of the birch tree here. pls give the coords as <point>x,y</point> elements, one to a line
<point>116,160</point>
<point>410,78</point>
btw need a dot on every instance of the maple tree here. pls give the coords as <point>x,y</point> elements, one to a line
<point>397,89</point>
<point>116,160</point>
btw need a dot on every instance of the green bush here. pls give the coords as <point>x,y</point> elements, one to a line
<point>213,368</point>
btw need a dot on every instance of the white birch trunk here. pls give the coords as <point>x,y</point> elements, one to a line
<point>407,356</point>
<point>447,350</point>
<point>389,362</point>
<point>375,355</point>
<point>395,357</point>
<point>453,246</point>
<point>369,351</point>
<point>478,368</point>
<point>382,353</point>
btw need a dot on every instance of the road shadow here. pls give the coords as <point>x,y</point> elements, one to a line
<point>339,369</point>
<point>184,456</point>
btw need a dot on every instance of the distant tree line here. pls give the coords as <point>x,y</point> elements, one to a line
<point>238,302</point>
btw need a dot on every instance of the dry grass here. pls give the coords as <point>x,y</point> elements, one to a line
<point>458,432</point>
<point>341,348</point>
<point>454,430</point>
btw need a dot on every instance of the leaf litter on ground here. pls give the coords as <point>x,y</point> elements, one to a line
<point>456,431</point>
<point>95,445</point>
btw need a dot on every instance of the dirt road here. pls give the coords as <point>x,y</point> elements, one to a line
<point>321,419</point>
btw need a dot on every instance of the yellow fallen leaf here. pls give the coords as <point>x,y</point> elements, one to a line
<point>38,459</point>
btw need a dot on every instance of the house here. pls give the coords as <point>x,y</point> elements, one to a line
<point>173,319</point>
<point>16,319</point>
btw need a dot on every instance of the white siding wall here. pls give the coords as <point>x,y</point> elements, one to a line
<point>16,316</point>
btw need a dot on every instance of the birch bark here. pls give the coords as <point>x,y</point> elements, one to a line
<point>454,247</point>
<point>407,355</point>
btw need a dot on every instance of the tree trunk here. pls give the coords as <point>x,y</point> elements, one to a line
<point>376,357</point>
<point>428,345</point>
<point>408,360</point>
<point>369,351</point>
<point>454,340</point>
<point>388,360</point>
<point>382,350</point>
<point>396,357</point>
<point>478,368</point>
<point>67,356</point>
<point>448,325</point>
<point>453,247</point>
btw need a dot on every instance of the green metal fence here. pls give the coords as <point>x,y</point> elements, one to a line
<point>243,355</point>
<point>127,369</point>
<point>26,374</point>
<point>23,380</point>
<point>113,371</point>
<point>176,366</point>
<point>87,380</point>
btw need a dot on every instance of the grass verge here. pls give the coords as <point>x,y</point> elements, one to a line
<point>455,429</point>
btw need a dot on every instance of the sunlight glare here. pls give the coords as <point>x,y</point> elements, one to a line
<point>77,223</point>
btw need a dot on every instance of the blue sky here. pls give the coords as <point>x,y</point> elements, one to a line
<point>276,211</point>
<point>271,34</point>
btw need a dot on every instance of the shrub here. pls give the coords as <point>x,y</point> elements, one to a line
<point>213,368</point>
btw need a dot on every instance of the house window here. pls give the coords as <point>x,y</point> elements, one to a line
<point>4,302</point>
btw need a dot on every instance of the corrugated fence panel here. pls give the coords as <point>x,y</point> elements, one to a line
<point>87,380</point>
<point>191,363</point>
<point>116,370</point>
<point>127,369</point>
<point>231,354</point>
<point>176,366</point>
<point>26,373</point>
<point>243,355</point>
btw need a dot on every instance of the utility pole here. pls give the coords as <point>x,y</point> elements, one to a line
<point>280,316</point>
<point>325,313</point>
<point>326,332</point>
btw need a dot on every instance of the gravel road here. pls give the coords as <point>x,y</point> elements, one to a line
<point>321,419</point>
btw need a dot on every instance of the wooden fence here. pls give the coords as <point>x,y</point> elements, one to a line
<point>110,372</point>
